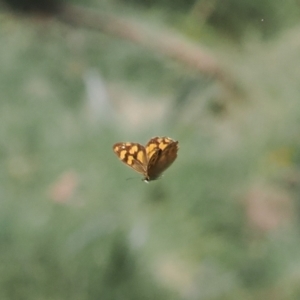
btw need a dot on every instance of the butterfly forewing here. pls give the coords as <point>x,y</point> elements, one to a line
<point>133,155</point>
<point>157,143</point>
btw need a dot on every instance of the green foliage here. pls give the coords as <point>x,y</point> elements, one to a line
<point>268,16</point>
<point>234,18</point>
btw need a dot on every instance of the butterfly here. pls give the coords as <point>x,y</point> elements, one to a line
<point>150,160</point>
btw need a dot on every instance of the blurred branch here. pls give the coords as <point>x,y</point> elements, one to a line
<point>167,43</point>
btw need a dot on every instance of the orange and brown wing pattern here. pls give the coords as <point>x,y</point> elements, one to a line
<point>133,155</point>
<point>157,143</point>
<point>152,160</point>
<point>161,152</point>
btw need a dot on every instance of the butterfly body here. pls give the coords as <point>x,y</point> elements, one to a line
<point>150,160</point>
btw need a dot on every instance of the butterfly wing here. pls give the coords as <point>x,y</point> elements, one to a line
<point>156,144</point>
<point>161,153</point>
<point>133,155</point>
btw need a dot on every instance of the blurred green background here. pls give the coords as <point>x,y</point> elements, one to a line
<point>222,223</point>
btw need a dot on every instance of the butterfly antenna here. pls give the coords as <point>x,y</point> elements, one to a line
<point>130,178</point>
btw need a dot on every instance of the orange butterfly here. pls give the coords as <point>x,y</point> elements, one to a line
<point>151,160</point>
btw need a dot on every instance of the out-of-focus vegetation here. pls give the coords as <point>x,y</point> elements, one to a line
<point>230,18</point>
<point>222,223</point>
